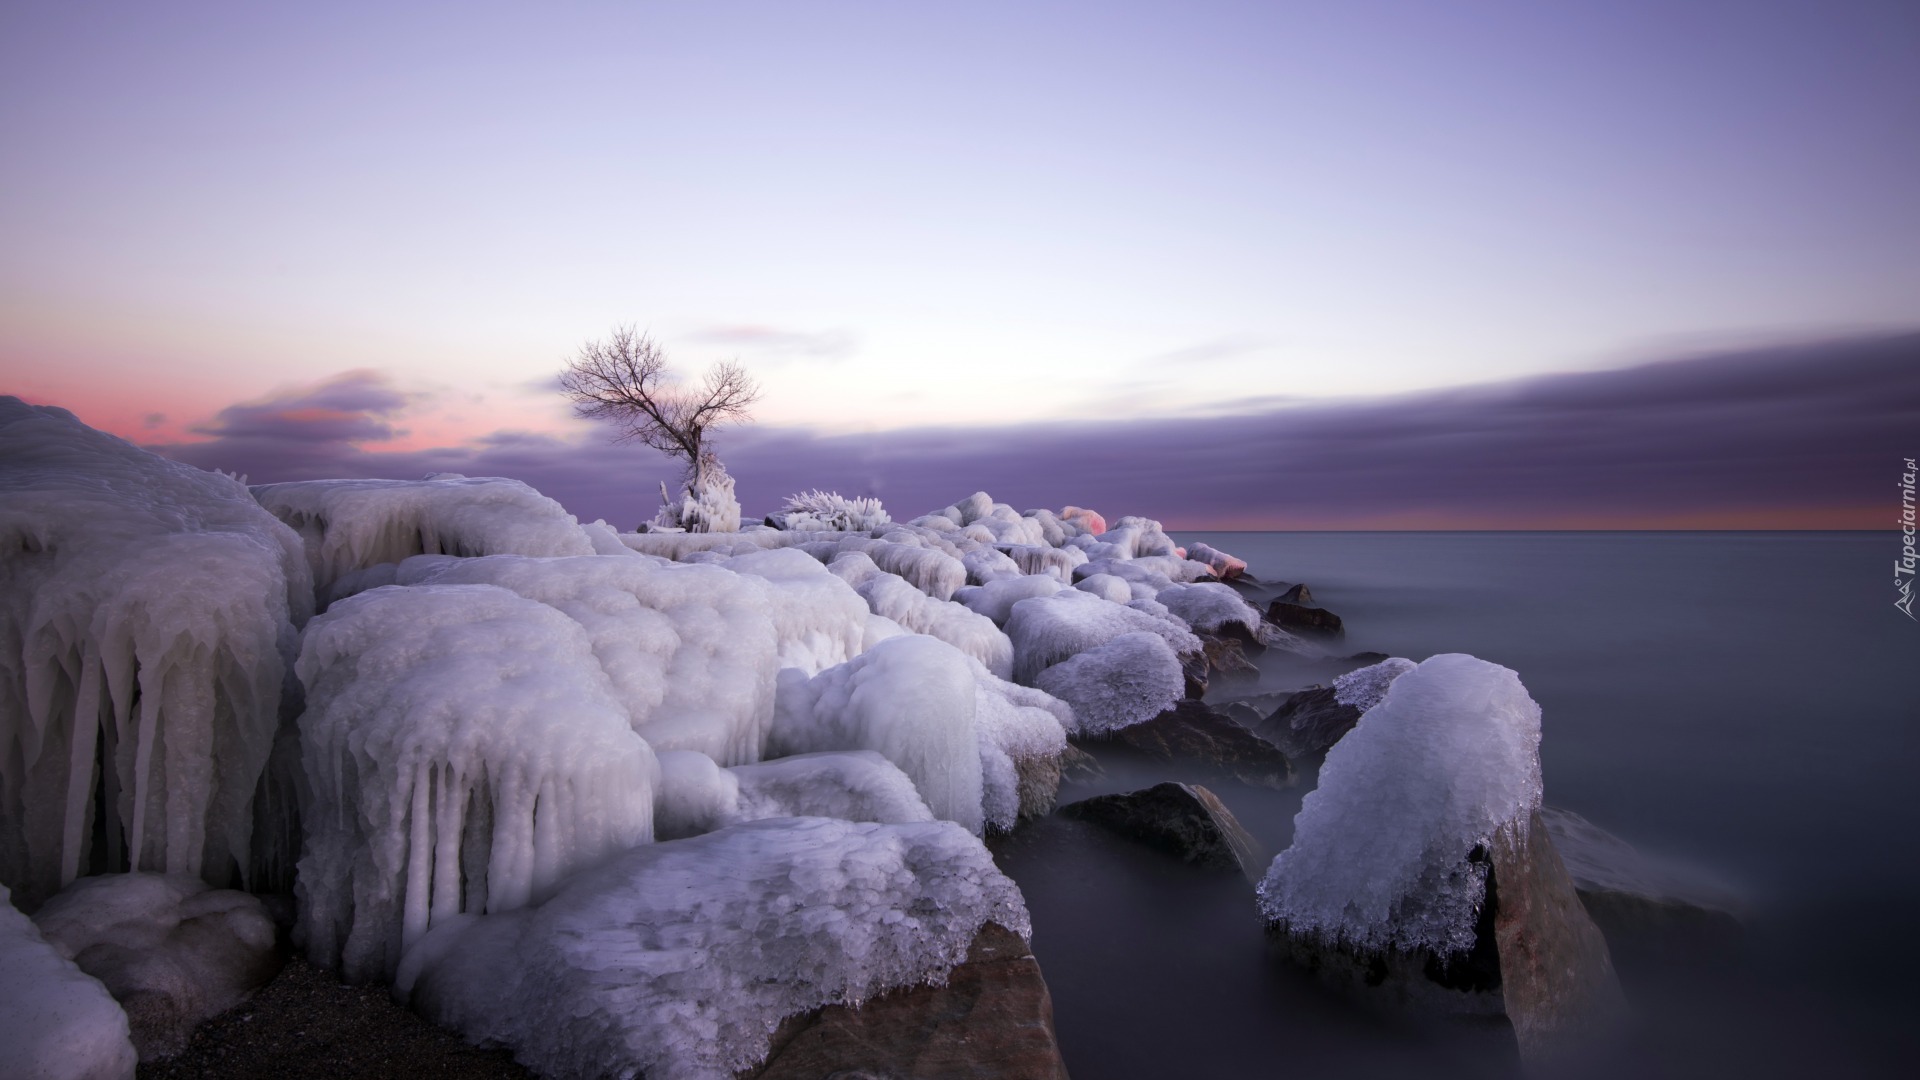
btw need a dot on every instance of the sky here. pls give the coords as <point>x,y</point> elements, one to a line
<point>1225,264</point>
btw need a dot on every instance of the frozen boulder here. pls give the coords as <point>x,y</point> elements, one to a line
<point>1311,721</point>
<point>818,619</point>
<point>1125,680</point>
<point>995,600</point>
<point>171,949</point>
<point>1223,565</point>
<point>56,1021</point>
<point>147,612</point>
<point>1048,629</point>
<point>1212,608</point>
<point>971,633</point>
<point>350,525</point>
<point>679,959</point>
<point>1022,733</point>
<point>465,752</point>
<point>695,796</point>
<point>1421,856</point>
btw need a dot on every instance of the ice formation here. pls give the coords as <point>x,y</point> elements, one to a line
<point>707,503</point>
<point>985,564</point>
<point>818,619</point>
<point>350,525</point>
<point>830,511</point>
<point>147,610</point>
<point>1107,587</point>
<point>678,960</point>
<point>996,600</point>
<point>973,634</point>
<point>689,650</point>
<point>1048,629</point>
<point>56,1022</point>
<point>172,949</point>
<point>930,570</point>
<point>1090,523</point>
<point>1015,725</point>
<point>1126,680</point>
<point>696,796</point>
<point>1211,608</point>
<point>1380,850</point>
<point>1363,688</point>
<point>465,752</point>
<point>910,698</point>
<point>1222,564</point>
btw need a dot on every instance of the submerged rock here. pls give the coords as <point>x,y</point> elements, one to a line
<point>992,1018</point>
<point>1305,620</point>
<point>1310,722</point>
<point>1193,731</point>
<point>1186,820</point>
<point>1299,594</point>
<point>172,950</point>
<point>1637,899</point>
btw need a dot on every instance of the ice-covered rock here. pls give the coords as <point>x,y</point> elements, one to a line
<point>819,620</point>
<point>706,504</point>
<point>56,1021</point>
<point>1111,588</point>
<point>1223,565</point>
<point>1048,629</point>
<point>1312,720</point>
<point>677,960</point>
<point>696,796</point>
<point>985,564</point>
<point>1055,562</point>
<point>996,599</point>
<point>1363,688</point>
<point>1212,608</point>
<point>147,611</point>
<point>1022,733</point>
<point>973,634</point>
<point>465,752</point>
<point>1122,681</point>
<point>690,650</point>
<point>1090,522</point>
<point>931,570</point>
<point>350,525</point>
<point>171,949</point>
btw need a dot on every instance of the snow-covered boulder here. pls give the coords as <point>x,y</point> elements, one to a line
<point>147,611</point>
<point>171,949</point>
<point>1123,681</point>
<point>929,569</point>
<point>973,634</point>
<point>696,796</point>
<point>465,752</point>
<point>690,651</point>
<point>678,959</point>
<point>1223,565</point>
<point>1089,521</point>
<point>1048,629</point>
<point>1022,733</point>
<point>1432,798</point>
<point>1212,608</point>
<point>995,600</point>
<point>56,1021</point>
<point>819,620</point>
<point>353,524</point>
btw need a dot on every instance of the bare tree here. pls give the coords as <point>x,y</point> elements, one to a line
<point>624,380</point>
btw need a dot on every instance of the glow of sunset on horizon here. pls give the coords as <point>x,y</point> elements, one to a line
<point>957,216</point>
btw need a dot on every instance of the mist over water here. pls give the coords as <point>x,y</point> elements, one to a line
<point>1740,703</point>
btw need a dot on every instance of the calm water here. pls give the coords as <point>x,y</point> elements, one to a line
<point>1744,702</point>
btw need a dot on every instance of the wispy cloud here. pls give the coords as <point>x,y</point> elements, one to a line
<point>1207,352</point>
<point>769,342</point>
<point>1779,437</point>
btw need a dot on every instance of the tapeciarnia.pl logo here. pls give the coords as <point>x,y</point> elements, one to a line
<point>1904,565</point>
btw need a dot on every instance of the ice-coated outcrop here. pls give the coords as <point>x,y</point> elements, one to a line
<point>690,651</point>
<point>1048,629</point>
<point>1380,855</point>
<point>696,796</point>
<point>706,504</point>
<point>1363,688</point>
<point>172,950</point>
<point>818,619</point>
<point>996,599</point>
<point>1121,682</point>
<point>349,525</point>
<point>973,634</point>
<point>678,959</point>
<point>1022,733</point>
<point>1212,608</point>
<point>147,610</point>
<point>931,570</point>
<point>56,1021</point>
<point>465,752</point>
<point>1223,565</point>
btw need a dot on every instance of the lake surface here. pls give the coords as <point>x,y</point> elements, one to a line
<point>1744,703</point>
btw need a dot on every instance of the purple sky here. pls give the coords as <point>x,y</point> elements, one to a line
<point>997,220</point>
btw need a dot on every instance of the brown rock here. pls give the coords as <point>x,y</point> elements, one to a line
<point>1185,820</point>
<point>1039,784</point>
<point>1227,655</point>
<point>993,1019</point>
<point>1299,594</point>
<point>1196,732</point>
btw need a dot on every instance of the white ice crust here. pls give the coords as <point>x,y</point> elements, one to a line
<point>678,959</point>
<point>1048,629</point>
<point>147,610</point>
<point>1380,851</point>
<point>1118,683</point>
<point>975,635</point>
<point>1363,688</point>
<point>353,524</point>
<point>56,1021</point>
<point>1210,607</point>
<point>819,620</point>
<point>465,752</point>
<point>696,796</point>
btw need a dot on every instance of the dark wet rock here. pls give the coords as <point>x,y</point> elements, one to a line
<point>1039,784</point>
<point>1310,722</point>
<point>1304,620</point>
<point>170,949</point>
<point>993,1018</point>
<point>1299,594</point>
<point>1193,731</point>
<point>1185,820</point>
<point>1195,674</point>
<point>1538,959</point>
<point>1640,901</point>
<point>1364,658</point>
<point>1078,766</point>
